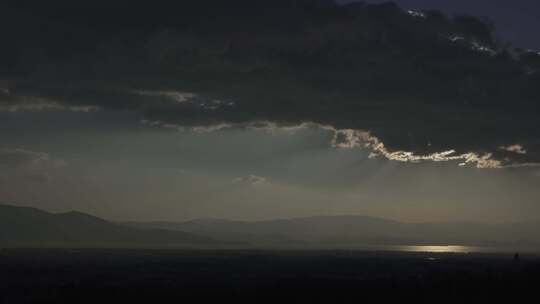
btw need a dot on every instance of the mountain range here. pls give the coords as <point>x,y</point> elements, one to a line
<point>25,226</point>
<point>359,230</point>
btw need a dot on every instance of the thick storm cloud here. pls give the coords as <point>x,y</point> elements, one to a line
<point>427,85</point>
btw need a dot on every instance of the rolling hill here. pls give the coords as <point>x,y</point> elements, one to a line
<point>24,226</point>
<point>31,227</point>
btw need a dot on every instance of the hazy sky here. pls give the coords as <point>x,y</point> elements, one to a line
<point>111,165</point>
<point>372,111</point>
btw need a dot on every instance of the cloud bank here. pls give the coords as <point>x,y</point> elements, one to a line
<point>410,86</point>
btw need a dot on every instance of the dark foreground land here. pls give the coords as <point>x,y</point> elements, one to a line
<point>163,276</point>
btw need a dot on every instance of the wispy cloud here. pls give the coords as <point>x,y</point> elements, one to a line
<point>26,103</point>
<point>252,179</point>
<point>176,96</point>
<point>189,98</point>
<point>27,164</point>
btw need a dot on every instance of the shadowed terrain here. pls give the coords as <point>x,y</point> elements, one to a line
<point>22,226</point>
<point>144,276</point>
<point>360,230</point>
<point>30,227</point>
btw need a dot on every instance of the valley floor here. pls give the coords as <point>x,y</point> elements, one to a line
<point>159,276</point>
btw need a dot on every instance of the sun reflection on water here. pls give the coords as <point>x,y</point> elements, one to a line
<point>438,249</point>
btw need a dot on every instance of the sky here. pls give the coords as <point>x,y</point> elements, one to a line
<point>186,111</point>
<point>515,20</point>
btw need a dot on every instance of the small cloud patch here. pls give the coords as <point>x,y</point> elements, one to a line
<point>252,179</point>
<point>517,148</point>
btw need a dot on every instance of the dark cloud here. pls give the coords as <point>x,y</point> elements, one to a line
<point>514,19</point>
<point>419,81</point>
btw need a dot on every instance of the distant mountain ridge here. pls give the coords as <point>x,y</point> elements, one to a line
<point>26,226</point>
<point>359,230</point>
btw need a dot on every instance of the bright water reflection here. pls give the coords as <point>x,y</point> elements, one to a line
<point>440,249</point>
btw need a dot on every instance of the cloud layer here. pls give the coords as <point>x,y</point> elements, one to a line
<point>410,86</point>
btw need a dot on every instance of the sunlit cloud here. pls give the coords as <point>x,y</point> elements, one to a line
<point>474,45</point>
<point>267,126</point>
<point>23,103</point>
<point>361,139</point>
<point>482,48</point>
<point>349,139</point>
<point>160,124</point>
<point>196,129</point>
<point>213,128</point>
<point>43,105</point>
<point>517,148</point>
<point>187,98</point>
<point>176,96</point>
<point>274,128</point>
<point>416,14</point>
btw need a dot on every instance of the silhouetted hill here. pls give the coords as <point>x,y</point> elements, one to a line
<point>23,226</point>
<point>360,230</point>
